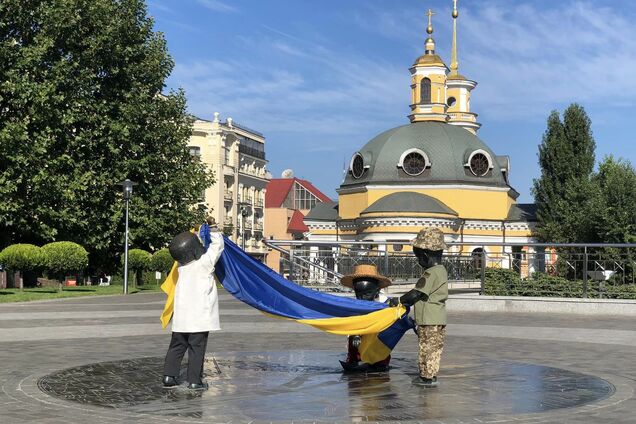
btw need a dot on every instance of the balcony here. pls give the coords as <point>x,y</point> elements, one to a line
<point>246,200</point>
<point>247,225</point>
<point>258,203</point>
<point>228,195</point>
<point>258,226</point>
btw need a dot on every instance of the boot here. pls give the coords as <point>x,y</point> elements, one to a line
<point>169,382</point>
<point>426,382</point>
<point>198,386</point>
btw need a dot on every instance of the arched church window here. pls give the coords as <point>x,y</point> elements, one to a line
<point>357,166</point>
<point>425,90</point>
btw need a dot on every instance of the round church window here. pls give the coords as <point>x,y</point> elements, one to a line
<point>479,164</point>
<point>451,101</point>
<point>357,166</point>
<point>414,164</point>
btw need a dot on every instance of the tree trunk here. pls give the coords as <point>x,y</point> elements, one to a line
<point>21,280</point>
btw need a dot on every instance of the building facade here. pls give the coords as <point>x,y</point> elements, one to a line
<point>431,172</point>
<point>287,201</point>
<point>236,155</point>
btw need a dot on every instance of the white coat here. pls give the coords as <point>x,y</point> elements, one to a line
<point>196,300</point>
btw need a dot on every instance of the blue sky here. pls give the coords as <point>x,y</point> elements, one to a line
<point>321,78</point>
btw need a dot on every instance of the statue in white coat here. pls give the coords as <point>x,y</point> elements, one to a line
<point>196,306</point>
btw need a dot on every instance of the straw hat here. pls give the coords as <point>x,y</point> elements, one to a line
<point>365,270</point>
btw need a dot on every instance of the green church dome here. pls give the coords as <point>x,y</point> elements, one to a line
<point>423,153</point>
<point>409,201</point>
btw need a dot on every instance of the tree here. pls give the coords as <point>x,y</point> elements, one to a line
<point>161,261</point>
<point>564,193</point>
<point>616,209</point>
<point>138,261</point>
<point>22,258</point>
<point>62,258</point>
<point>80,110</point>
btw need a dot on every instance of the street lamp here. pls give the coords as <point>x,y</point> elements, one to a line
<point>127,186</point>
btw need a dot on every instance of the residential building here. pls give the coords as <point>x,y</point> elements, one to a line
<point>287,201</point>
<point>236,155</point>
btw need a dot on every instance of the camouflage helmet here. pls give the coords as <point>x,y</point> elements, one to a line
<point>430,239</point>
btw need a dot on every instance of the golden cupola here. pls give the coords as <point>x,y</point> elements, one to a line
<point>458,89</point>
<point>428,83</point>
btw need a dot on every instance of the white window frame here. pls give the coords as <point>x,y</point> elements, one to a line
<point>470,157</point>
<point>427,161</point>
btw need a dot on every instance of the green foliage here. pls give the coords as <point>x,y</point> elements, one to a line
<point>161,261</point>
<point>62,258</point>
<point>616,207</point>
<point>564,193</point>
<point>138,259</point>
<point>22,257</point>
<point>506,282</point>
<point>80,110</point>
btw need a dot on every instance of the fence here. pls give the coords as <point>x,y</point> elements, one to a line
<point>508,269</point>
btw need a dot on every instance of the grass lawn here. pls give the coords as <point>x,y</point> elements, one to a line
<point>15,295</point>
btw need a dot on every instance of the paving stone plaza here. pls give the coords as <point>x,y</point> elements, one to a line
<point>100,360</point>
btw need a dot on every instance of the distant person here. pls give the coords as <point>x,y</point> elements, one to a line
<point>204,231</point>
<point>196,306</point>
<point>429,303</point>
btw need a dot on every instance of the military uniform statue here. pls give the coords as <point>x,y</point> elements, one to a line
<point>367,284</point>
<point>429,303</point>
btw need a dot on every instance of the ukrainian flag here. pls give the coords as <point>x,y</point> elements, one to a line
<point>252,282</point>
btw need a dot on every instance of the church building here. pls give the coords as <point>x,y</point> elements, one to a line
<point>432,172</point>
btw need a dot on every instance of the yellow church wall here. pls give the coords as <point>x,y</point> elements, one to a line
<point>469,204</point>
<point>350,205</point>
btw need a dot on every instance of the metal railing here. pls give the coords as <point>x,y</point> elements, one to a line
<point>509,269</point>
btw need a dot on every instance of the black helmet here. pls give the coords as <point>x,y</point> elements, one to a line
<point>366,288</point>
<point>185,248</point>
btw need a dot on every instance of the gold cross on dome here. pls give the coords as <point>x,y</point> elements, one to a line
<point>430,15</point>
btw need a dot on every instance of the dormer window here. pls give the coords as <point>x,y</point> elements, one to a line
<point>414,162</point>
<point>479,162</point>
<point>357,166</point>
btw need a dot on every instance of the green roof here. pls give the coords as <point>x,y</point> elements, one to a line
<point>323,211</point>
<point>409,201</point>
<point>447,147</point>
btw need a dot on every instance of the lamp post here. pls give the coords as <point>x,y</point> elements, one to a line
<point>127,186</point>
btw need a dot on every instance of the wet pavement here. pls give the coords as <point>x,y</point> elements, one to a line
<point>311,387</point>
<point>99,360</point>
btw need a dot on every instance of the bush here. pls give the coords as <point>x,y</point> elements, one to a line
<point>161,261</point>
<point>25,258</point>
<point>138,261</point>
<point>22,257</point>
<point>62,258</point>
<point>500,281</point>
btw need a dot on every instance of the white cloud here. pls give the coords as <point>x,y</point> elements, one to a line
<point>217,6</point>
<point>526,59</point>
<point>307,88</point>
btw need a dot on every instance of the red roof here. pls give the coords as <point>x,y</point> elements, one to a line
<point>278,189</point>
<point>296,223</point>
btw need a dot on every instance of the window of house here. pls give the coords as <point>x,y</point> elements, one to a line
<point>194,151</point>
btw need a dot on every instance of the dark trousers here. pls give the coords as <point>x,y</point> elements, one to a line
<point>195,344</point>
